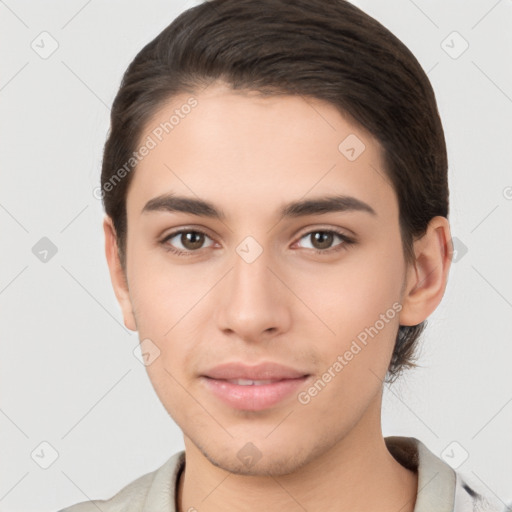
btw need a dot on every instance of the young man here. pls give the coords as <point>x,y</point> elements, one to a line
<point>275,184</point>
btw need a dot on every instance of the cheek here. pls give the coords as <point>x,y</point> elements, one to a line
<point>169,302</point>
<point>360,303</point>
<point>164,294</point>
<point>354,294</point>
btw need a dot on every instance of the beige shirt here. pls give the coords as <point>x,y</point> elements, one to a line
<point>440,488</point>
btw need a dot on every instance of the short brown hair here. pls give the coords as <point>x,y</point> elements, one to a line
<point>330,50</point>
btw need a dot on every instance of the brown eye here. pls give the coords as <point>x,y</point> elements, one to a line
<point>322,240</point>
<point>185,241</point>
<point>192,240</point>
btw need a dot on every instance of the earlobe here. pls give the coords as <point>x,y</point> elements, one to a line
<point>117,274</point>
<point>428,275</point>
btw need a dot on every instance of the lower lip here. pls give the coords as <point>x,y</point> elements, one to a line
<point>253,397</point>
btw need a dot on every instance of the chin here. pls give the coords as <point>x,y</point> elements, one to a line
<point>260,458</point>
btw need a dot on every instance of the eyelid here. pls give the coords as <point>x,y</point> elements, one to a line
<point>336,229</point>
<point>302,232</point>
<point>179,229</point>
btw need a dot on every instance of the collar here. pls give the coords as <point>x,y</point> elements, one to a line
<point>436,479</point>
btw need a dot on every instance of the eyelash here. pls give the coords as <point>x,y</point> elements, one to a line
<point>346,241</point>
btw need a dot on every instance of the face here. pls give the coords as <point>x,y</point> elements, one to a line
<point>317,290</point>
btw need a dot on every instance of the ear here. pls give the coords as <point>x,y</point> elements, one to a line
<point>117,275</point>
<point>427,276</point>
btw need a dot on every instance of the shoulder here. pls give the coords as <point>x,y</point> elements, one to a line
<point>440,487</point>
<point>137,495</point>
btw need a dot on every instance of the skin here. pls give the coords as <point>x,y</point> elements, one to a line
<point>249,155</point>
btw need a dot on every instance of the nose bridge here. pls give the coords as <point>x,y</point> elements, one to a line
<point>254,272</point>
<point>252,302</point>
<point>251,278</point>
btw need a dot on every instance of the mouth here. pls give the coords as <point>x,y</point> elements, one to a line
<point>250,382</point>
<point>253,394</point>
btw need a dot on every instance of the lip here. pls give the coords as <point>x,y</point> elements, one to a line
<point>262,371</point>
<point>253,397</point>
<point>256,397</point>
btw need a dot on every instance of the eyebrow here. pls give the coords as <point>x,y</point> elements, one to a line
<point>300,208</point>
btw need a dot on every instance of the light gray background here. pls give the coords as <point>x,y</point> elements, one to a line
<point>69,376</point>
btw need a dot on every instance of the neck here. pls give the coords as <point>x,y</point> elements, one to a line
<point>357,473</point>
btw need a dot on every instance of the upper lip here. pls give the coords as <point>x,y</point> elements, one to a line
<point>262,371</point>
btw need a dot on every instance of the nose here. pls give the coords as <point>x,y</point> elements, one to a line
<point>253,300</point>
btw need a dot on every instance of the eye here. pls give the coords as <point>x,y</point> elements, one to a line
<point>191,241</point>
<point>322,240</point>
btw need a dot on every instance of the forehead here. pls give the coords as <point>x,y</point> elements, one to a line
<point>240,147</point>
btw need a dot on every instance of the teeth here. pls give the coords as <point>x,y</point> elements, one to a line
<point>248,382</point>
